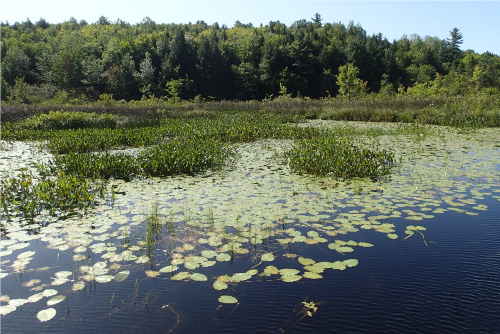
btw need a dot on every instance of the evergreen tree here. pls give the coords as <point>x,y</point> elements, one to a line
<point>454,44</point>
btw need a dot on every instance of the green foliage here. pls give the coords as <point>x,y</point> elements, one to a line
<point>4,88</point>
<point>63,194</point>
<point>421,74</point>
<point>386,87</point>
<point>106,99</point>
<point>339,157</point>
<point>19,92</point>
<point>182,61</point>
<point>69,120</point>
<point>15,64</point>
<point>170,158</point>
<point>350,86</point>
<point>175,89</point>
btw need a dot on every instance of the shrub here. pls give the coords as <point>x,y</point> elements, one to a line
<point>69,120</point>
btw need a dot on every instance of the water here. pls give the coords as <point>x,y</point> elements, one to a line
<point>450,286</point>
<point>444,280</point>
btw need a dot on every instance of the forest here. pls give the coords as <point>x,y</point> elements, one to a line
<point>77,62</point>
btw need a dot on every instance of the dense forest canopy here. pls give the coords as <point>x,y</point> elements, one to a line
<point>41,61</point>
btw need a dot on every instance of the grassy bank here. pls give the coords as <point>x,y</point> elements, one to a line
<point>479,110</point>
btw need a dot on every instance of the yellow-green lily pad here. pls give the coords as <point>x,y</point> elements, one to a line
<point>227,299</point>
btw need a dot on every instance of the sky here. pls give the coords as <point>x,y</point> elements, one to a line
<point>477,20</point>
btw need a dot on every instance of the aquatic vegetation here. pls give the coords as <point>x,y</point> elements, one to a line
<point>62,195</point>
<point>46,315</point>
<point>239,227</point>
<point>170,158</point>
<point>339,157</point>
<point>225,299</point>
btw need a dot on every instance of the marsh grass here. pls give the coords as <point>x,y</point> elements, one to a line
<point>153,229</point>
<point>479,110</point>
<point>339,157</point>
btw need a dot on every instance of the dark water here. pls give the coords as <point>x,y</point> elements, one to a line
<point>400,286</point>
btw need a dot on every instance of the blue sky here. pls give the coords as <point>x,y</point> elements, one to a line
<point>477,20</point>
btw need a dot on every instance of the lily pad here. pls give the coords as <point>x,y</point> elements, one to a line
<point>142,259</point>
<point>198,259</point>
<point>306,261</point>
<point>180,276</point>
<point>78,286</point>
<point>224,278</point>
<point>151,273</point>
<point>168,269</point>
<point>63,274</point>
<point>18,302</point>
<point>79,257</point>
<point>338,265</point>
<point>314,269</point>
<point>227,299</point>
<point>26,255</point>
<point>176,262</point>
<point>288,272</point>
<point>267,257</point>
<point>104,278</point>
<point>46,315</point>
<point>239,277</point>
<point>36,297</point>
<point>345,249</point>
<point>252,272</point>
<point>199,277</point>
<point>350,262</point>
<point>365,244</point>
<point>223,257</point>
<point>208,254</point>
<point>219,285</point>
<point>311,275</point>
<point>271,270</point>
<point>80,249</point>
<point>6,309</point>
<point>59,281</point>
<point>312,234</point>
<point>208,263</point>
<point>191,265</point>
<point>122,275</point>
<point>324,265</point>
<point>49,292</point>
<point>55,300</point>
<point>290,278</point>
<point>392,236</point>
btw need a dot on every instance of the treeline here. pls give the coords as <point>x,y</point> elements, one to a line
<point>77,61</point>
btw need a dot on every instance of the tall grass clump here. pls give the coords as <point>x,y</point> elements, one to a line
<point>339,157</point>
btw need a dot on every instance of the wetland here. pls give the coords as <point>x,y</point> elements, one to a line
<point>248,222</point>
